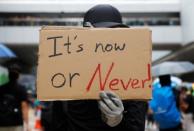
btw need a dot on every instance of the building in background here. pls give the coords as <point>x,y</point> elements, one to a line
<point>171,22</point>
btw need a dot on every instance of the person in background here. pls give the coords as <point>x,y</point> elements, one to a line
<point>164,105</point>
<point>13,102</point>
<point>186,105</point>
<point>109,113</point>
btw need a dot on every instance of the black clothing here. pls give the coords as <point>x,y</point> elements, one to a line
<point>85,116</point>
<point>190,101</point>
<point>11,113</point>
<point>177,128</point>
<point>46,115</point>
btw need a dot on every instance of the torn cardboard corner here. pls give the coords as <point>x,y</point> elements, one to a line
<point>78,63</point>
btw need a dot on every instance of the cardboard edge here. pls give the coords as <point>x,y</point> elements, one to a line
<point>38,60</point>
<point>61,99</point>
<point>150,31</point>
<point>89,28</point>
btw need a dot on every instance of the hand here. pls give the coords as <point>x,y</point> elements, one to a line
<point>111,107</point>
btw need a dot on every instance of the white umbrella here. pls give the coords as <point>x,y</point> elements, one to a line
<point>172,68</point>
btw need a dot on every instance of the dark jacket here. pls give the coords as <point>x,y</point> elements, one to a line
<point>11,97</point>
<point>85,116</point>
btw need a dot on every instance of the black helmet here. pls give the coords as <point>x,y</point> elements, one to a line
<point>104,16</point>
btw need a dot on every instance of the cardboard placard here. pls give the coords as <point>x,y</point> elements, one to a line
<point>78,63</point>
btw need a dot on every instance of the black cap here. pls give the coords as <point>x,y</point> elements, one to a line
<point>104,16</point>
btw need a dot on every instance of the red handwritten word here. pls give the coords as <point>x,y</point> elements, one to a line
<point>113,84</point>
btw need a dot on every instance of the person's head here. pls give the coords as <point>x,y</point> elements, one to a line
<point>14,66</point>
<point>165,80</point>
<point>103,16</point>
<point>14,72</point>
<point>183,90</point>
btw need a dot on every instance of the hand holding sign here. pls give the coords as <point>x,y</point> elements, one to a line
<point>111,107</point>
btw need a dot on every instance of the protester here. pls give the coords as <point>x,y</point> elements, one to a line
<point>109,113</point>
<point>186,104</point>
<point>164,105</point>
<point>13,103</point>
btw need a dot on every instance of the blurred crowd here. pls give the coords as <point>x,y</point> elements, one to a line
<point>184,98</point>
<point>31,20</point>
<point>40,114</point>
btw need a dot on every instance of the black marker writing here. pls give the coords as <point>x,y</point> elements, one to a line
<point>55,45</point>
